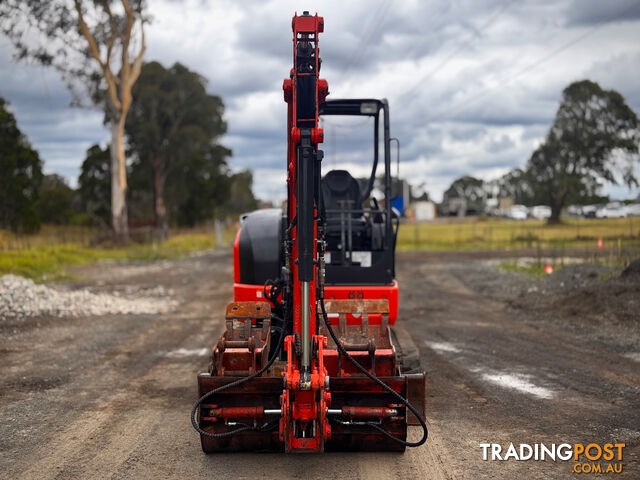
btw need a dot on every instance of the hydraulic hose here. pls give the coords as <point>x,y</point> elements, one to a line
<point>396,395</point>
<point>235,383</point>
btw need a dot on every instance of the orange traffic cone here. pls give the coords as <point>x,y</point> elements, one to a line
<point>548,269</point>
<point>600,243</point>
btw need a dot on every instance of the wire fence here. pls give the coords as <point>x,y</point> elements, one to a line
<point>81,236</point>
<point>50,236</point>
<point>597,237</point>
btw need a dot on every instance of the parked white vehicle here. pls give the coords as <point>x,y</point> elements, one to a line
<point>541,212</point>
<point>589,211</point>
<point>633,209</point>
<point>574,210</point>
<point>518,212</point>
<point>612,210</point>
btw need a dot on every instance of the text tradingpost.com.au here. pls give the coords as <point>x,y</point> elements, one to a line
<point>585,458</point>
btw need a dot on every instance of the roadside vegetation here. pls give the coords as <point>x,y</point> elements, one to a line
<point>535,269</point>
<point>46,256</point>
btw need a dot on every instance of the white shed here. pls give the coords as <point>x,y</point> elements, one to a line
<point>424,210</point>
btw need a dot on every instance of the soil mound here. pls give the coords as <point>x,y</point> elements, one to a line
<point>632,271</point>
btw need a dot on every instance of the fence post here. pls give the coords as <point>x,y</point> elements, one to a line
<point>619,249</point>
<point>217,225</point>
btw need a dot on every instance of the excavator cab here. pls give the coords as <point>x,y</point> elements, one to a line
<point>360,229</point>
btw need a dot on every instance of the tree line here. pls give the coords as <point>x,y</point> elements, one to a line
<point>594,139</point>
<point>177,169</point>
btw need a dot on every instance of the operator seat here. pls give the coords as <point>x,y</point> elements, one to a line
<point>347,228</point>
<point>340,191</point>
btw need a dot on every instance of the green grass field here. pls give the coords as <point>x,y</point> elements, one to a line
<point>45,260</point>
<point>492,234</point>
<point>44,257</point>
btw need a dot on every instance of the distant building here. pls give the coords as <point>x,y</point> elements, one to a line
<point>454,207</point>
<point>492,199</point>
<point>465,196</point>
<point>423,210</point>
<point>504,205</point>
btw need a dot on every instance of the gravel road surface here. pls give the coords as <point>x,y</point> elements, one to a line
<point>108,396</point>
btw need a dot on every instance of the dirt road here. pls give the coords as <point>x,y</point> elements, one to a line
<point>109,397</point>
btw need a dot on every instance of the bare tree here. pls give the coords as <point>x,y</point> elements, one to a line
<point>98,46</point>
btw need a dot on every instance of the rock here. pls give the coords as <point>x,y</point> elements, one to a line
<point>21,297</point>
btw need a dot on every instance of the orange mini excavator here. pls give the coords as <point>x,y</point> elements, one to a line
<point>308,360</point>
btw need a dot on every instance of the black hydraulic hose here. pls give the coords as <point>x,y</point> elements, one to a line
<point>396,395</point>
<point>235,383</point>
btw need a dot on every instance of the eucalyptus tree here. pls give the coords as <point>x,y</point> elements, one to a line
<point>98,46</point>
<point>174,129</point>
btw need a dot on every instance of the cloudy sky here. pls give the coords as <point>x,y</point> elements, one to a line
<point>473,85</point>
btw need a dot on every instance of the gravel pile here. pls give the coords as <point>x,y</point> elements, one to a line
<point>576,276</point>
<point>489,278</point>
<point>21,297</point>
